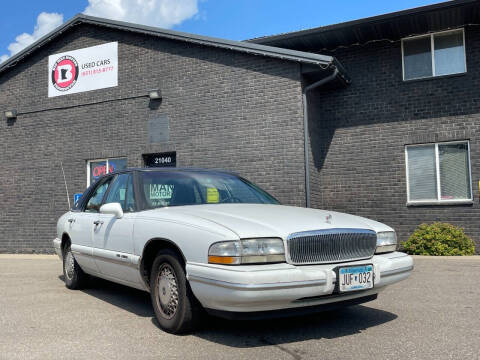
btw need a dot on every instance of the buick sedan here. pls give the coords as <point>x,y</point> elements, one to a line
<point>210,241</point>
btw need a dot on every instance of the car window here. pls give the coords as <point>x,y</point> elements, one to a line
<point>95,201</point>
<point>214,191</point>
<point>121,192</point>
<point>169,190</point>
<point>192,188</point>
<point>130,198</point>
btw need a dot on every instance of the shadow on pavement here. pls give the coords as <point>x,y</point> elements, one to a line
<point>327,325</point>
<point>254,333</point>
<point>124,297</point>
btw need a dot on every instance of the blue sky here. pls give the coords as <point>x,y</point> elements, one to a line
<point>231,19</point>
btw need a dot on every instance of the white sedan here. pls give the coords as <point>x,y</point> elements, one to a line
<point>201,240</point>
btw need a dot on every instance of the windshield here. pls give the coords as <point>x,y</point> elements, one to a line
<point>194,188</point>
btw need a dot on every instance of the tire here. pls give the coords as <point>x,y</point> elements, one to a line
<point>176,308</point>
<point>74,276</point>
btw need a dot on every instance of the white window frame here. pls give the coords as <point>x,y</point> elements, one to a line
<point>98,160</point>
<point>439,200</point>
<point>432,50</point>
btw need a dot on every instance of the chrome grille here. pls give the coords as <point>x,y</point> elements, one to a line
<point>331,245</point>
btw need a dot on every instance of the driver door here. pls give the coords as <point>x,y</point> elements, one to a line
<point>81,225</point>
<point>113,237</point>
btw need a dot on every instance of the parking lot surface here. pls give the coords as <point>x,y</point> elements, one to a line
<point>435,314</point>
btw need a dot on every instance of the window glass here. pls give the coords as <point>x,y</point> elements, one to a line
<point>216,190</point>
<point>168,190</point>
<point>98,168</point>
<point>116,164</point>
<point>417,60</point>
<point>194,188</point>
<point>117,193</point>
<point>439,172</point>
<point>130,198</point>
<point>422,175</point>
<point>449,53</point>
<point>454,171</point>
<point>95,201</point>
<point>121,192</point>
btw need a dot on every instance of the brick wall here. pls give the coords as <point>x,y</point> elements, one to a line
<point>226,110</point>
<point>359,133</point>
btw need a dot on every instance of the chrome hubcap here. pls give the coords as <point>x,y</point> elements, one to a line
<point>167,291</point>
<point>69,265</point>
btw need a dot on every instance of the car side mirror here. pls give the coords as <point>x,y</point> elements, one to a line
<point>112,209</point>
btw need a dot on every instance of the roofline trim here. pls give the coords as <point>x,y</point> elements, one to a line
<point>323,61</point>
<point>362,21</point>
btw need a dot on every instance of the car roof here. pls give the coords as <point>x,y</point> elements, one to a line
<point>175,169</point>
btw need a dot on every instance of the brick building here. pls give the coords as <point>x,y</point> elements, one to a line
<point>373,101</point>
<point>398,107</point>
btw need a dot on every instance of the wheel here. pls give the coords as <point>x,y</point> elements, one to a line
<point>74,276</point>
<point>176,308</point>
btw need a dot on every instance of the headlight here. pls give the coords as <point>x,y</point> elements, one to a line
<point>386,242</point>
<point>247,251</point>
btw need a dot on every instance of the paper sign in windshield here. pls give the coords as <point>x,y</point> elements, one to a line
<point>161,191</point>
<point>122,194</point>
<point>212,195</point>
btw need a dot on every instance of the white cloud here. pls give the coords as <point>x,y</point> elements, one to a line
<point>161,13</point>
<point>46,22</point>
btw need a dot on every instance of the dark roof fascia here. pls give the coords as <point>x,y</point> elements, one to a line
<point>363,21</point>
<point>14,59</point>
<point>322,61</point>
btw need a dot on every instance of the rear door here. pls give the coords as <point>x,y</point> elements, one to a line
<point>81,226</point>
<point>113,238</point>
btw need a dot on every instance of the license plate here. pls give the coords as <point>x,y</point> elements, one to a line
<point>353,278</point>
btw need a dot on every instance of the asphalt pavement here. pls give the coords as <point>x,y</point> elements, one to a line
<point>435,314</point>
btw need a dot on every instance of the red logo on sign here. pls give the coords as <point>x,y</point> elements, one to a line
<point>65,73</point>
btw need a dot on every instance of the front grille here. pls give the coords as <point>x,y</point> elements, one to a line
<point>330,246</point>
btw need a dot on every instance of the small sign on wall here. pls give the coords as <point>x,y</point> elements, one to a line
<point>82,70</point>
<point>168,159</point>
<point>76,197</point>
<point>158,129</point>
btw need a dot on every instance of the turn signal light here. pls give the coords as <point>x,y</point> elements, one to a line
<point>224,260</point>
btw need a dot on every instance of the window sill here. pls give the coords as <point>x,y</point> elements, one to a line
<point>435,77</point>
<point>440,203</point>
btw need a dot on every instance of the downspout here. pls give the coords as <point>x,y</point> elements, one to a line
<point>305,129</point>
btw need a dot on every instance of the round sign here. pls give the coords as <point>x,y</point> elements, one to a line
<point>65,73</point>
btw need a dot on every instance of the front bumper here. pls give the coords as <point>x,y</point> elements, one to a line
<point>57,245</point>
<point>252,288</point>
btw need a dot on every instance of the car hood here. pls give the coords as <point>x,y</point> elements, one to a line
<point>261,220</point>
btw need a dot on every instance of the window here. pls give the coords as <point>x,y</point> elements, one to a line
<point>95,201</point>
<point>161,189</point>
<point>98,168</point>
<point>122,192</point>
<point>434,55</point>
<point>438,173</point>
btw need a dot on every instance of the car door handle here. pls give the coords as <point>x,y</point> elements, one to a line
<point>98,222</point>
<point>71,220</point>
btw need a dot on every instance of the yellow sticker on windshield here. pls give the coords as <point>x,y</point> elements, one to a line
<point>212,195</point>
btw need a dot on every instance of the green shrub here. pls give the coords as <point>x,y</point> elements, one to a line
<point>439,239</point>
